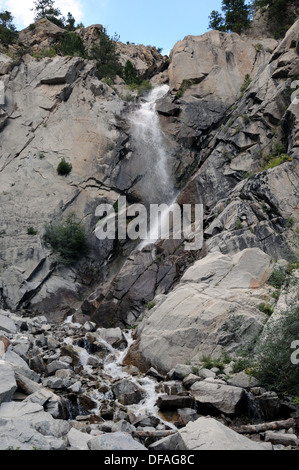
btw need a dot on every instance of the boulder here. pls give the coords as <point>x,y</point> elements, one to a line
<point>18,434</point>
<point>280,438</point>
<point>170,402</point>
<point>6,324</point>
<point>78,440</point>
<point>127,392</point>
<point>5,64</point>
<point>8,383</point>
<point>214,308</point>
<point>115,441</point>
<point>34,415</point>
<point>207,434</point>
<point>218,397</point>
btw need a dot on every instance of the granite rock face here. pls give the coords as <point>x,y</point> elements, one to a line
<point>215,307</point>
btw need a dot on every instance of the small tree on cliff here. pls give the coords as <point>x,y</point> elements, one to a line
<point>237,17</point>
<point>47,9</point>
<point>8,31</point>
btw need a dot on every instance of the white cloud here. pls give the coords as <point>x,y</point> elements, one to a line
<point>23,16</point>
<point>21,11</point>
<point>72,6</point>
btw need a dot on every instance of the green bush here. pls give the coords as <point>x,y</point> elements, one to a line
<point>266,308</point>
<point>31,231</point>
<point>64,168</point>
<point>184,87</point>
<point>68,239</point>
<point>274,367</point>
<point>247,82</point>
<point>71,44</point>
<point>277,278</point>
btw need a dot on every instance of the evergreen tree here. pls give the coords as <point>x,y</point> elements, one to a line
<point>237,17</point>
<point>281,14</point>
<point>70,22</point>
<point>130,74</point>
<point>107,56</point>
<point>47,9</point>
<point>216,21</point>
<point>8,31</point>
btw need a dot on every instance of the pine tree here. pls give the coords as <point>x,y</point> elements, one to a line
<point>281,14</point>
<point>8,31</point>
<point>70,22</point>
<point>47,9</point>
<point>237,17</point>
<point>106,55</point>
<point>216,21</point>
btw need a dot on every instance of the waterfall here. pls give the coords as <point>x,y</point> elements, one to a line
<point>149,144</point>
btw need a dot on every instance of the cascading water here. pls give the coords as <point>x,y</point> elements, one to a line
<point>114,370</point>
<point>149,144</point>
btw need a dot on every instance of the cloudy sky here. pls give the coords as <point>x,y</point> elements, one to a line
<point>159,23</point>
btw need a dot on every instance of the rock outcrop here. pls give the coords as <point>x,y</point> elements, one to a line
<point>214,308</point>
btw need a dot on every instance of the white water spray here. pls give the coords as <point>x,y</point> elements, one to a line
<point>158,184</point>
<point>148,142</point>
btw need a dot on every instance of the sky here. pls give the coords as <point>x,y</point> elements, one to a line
<point>159,23</point>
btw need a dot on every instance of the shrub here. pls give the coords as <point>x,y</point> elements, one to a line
<point>247,82</point>
<point>266,308</point>
<point>64,168</point>
<point>71,44</point>
<point>142,88</point>
<point>241,364</point>
<point>31,231</point>
<point>274,367</point>
<point>184,87</point>
<point>151,305</point>
<point>277,278</point>
<point>67,239</point>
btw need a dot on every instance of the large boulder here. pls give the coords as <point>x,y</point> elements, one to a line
<point>214,308</point>
<point>127,392</point>
<point>207,434</point>
<point>115,441</point>
<point>217,397</point>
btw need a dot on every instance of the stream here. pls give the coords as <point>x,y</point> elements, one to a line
<point>112,370</point>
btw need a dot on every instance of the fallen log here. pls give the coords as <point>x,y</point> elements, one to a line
<point>257,428</point>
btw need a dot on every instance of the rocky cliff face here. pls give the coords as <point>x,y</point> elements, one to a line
<point>230,126</point>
